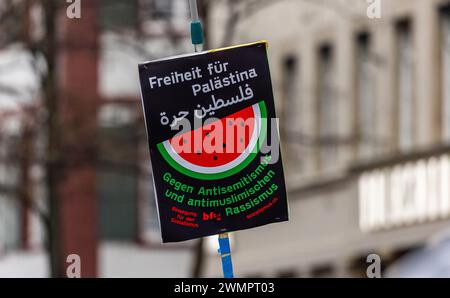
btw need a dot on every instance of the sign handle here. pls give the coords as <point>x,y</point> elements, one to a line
<point>225,253</point>
<point>197,41</point>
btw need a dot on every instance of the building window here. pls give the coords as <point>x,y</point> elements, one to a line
<point>158,9</point>
<point>10,205</point>
<point>322,271</point>
<point>289,91</point>
<point>117,176</point>
<point>287,273</point>
<point>365,97</point>
<point>405,70</point>
<point>118,14</point>
<point>328,108</point>
<point>150,231</point>
<point>10,223</point>
<point>445,76</point>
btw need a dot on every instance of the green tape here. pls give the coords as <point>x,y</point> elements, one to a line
<point>196,32</point>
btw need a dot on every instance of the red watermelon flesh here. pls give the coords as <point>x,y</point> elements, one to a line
<point>219,142</point>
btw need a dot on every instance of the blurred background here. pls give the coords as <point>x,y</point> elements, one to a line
<point>362,90</point>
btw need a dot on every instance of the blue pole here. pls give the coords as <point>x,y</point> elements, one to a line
<point>197,41</point>
<point>225,253</point>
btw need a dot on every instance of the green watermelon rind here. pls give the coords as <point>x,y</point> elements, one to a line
<point>227,173</point>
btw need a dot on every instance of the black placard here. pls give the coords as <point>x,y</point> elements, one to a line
<point>214,143</point>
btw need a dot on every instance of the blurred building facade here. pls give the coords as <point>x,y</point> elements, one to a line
<point>363,107</point>
<point>125,212</point>
<point>132,32</point>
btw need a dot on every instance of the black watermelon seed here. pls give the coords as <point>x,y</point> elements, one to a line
<point>215,157</point>
<point>198,153</point>
<point>224,145</point>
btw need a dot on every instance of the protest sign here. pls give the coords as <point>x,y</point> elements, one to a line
<point>214,142</point>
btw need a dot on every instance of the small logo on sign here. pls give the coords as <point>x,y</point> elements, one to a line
<point>211,216</point>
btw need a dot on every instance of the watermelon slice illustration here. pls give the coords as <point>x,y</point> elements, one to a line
<point>218,149</point>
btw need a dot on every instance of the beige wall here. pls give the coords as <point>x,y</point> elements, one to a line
<point>324,222</point>
<point>323,230</point>
<point>298,28</point>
